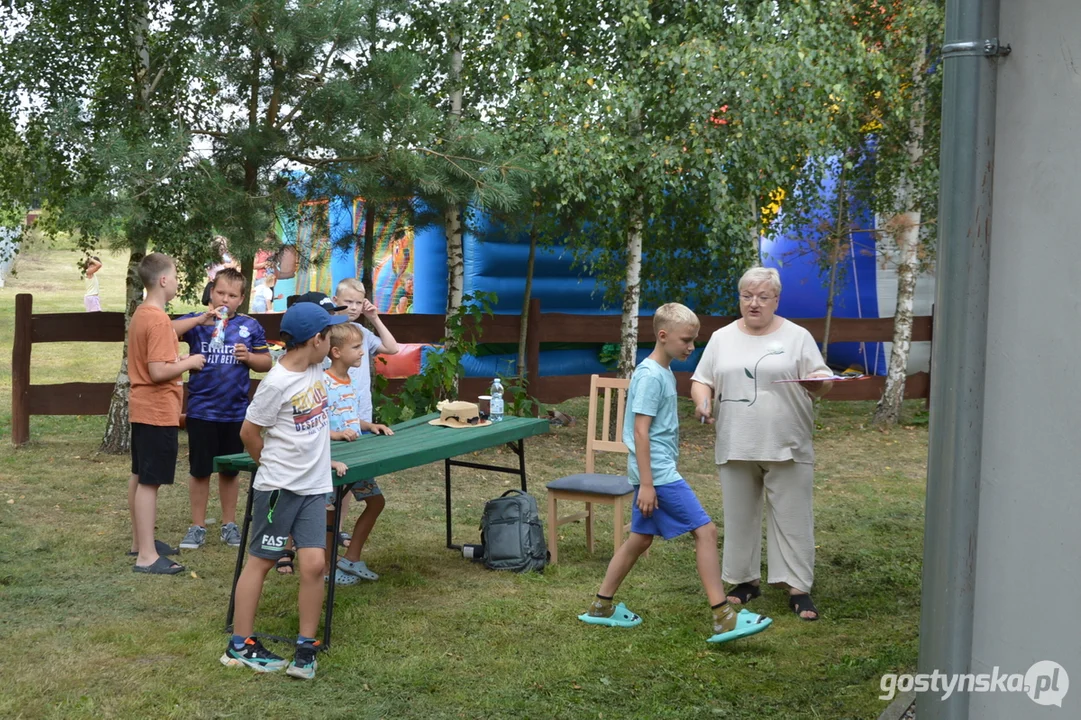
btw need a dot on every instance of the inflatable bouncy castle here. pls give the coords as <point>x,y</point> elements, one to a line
<point>866,288</point>
<point>410,276</point>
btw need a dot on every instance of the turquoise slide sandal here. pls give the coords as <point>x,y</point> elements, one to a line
<point>622,617</point>
<point>747,623</point>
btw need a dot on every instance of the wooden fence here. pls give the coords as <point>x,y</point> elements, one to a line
<point>84,398</point>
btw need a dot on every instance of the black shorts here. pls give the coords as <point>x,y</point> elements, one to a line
<point>153,453</point>
<point>208,439</point>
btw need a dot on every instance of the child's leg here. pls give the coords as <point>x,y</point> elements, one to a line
<point>133,484</point>
<point>309,532</point>
<point>229,490</point>
<point>228,443</point>
<point>248,590</point>
<point>709,564</point>
<point>199,495</point>
<point>345,506</point>
<point>373,506</point>
<point>622,562</point>
<point>145,516</point>
<point>310,595</point>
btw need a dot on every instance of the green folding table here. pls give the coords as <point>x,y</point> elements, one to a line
<point>414,443</point>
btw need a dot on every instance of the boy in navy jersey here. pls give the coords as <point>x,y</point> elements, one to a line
<point>218,398</point>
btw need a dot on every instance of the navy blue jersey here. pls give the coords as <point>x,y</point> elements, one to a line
<point>219,392</point>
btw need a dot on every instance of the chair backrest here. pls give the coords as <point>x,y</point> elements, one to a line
<point>610,436</point>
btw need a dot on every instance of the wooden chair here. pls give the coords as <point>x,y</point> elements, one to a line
<point>591,487</point>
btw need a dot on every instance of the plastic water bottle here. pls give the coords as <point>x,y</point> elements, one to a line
<point>495,408</point>
<point>217,337</point>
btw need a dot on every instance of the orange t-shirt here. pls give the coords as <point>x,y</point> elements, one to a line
<point>151,338</point>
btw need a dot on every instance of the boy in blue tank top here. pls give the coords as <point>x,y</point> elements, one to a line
<point>218,398</point>
<point>664,504</point>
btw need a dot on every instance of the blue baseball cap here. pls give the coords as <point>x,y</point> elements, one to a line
<point>305,320</point>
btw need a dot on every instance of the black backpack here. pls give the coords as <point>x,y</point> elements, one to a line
<point>512,533</point>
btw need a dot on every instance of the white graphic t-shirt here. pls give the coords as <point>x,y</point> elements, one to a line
<point>296,446</point>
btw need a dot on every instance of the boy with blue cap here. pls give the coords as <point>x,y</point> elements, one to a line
<point>287,433</point>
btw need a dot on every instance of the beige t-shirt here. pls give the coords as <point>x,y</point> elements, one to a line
<point>755,419</point>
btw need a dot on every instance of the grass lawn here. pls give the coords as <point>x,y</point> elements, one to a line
<point>436,636</point>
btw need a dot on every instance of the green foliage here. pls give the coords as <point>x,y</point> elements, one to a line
<point>609,355</point>
<point>516,398</point>
<point>442,371</point>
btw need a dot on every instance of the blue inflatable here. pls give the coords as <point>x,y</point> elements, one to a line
<point>410,276</point>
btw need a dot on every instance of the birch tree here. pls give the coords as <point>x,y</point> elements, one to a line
<point>904,117</point>
<point>103,95</point>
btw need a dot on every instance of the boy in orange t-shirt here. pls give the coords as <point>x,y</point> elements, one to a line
<point>155,369</point>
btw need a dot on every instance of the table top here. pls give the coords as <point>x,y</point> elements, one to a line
<point>413,443</point>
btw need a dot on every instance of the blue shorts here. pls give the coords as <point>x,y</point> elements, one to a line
<point>678,512</point>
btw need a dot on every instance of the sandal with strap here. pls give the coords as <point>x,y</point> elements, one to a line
<point>620,617</point>
<point>747,623</point>
<point>802,603</point>
<point>162,548</point>
<point>284,565</point>
<point>744,592</point>
<point>161,566</point>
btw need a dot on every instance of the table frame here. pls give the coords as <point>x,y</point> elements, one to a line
<point>517,446</point>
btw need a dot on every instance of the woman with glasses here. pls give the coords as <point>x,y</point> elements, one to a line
<point>763,448</point>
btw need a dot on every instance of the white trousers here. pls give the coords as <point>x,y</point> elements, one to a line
<point>790,544</point>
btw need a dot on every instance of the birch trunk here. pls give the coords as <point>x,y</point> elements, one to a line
<point>888,411</point>
<point>831,293</point>
<point>117,437</point>
<point>836,242</point>
<point>452,218</point>
<point>905,229</point>
<point>628,333</point>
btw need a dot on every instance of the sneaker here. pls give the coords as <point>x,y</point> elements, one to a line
<point>230,534</point>
<point>193,538</point>
<point>303,665</point>
<point>254,656</point>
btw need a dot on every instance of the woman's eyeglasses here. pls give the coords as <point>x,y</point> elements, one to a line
<point>762,299</point>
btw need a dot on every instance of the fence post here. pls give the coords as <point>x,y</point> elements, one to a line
<point>20,369</point>
<point>532,347</point>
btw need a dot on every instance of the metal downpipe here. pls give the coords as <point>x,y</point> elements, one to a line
<point>958,359</point>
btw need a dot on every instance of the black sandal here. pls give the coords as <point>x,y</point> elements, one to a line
<point>285,562</point>
<point>802,603</point>
<point>744,592</point>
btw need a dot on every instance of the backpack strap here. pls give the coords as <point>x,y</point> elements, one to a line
<point>512,490</point>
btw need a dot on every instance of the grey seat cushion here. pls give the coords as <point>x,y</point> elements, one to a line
<point>597,483</point>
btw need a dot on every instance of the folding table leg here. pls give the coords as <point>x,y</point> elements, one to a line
<point>446,476</point>
<point>339,493</point>
<point>240,553</point>
<point>519,449</point>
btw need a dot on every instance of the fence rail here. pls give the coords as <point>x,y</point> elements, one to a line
<point>82,398</point>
